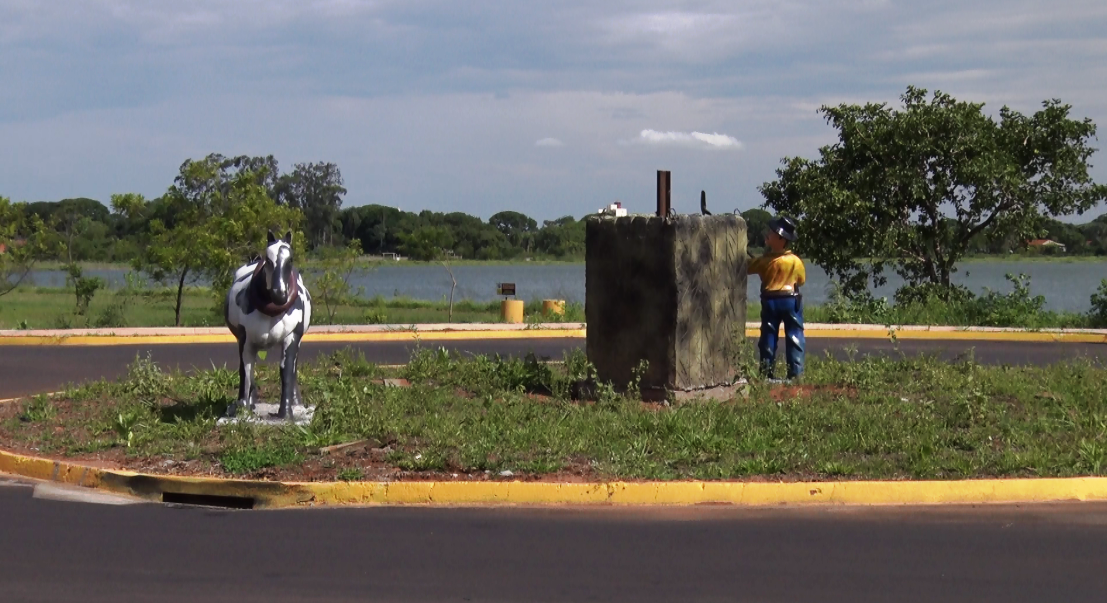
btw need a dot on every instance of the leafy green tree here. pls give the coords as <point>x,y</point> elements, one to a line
<point>219,224</point>
<point>1096,232</point>
<point>84,287</point>
<point>377,227</point>
<point>518,228</point>
<point>911,188</point>
<point>24,239</point>
<point>757,220</point>
<point>208,180</point>
<point>316,190</point>
<point>79,206</point>
<point>331,284</point>
<point>427,243</point>
<point>563,237</point>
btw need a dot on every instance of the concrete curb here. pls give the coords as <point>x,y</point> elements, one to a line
<point>184,336</point>
<point>274,495</point>
<point>469,332</point>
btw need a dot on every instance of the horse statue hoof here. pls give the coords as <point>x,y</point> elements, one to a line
<point>233,408</point>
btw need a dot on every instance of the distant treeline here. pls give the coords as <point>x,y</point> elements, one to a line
<point>93,232</point>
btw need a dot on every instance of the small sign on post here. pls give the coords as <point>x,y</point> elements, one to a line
<point>511,310</point>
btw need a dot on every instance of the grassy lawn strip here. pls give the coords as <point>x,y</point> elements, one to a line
<point>43,308</point>
<point>475,418</point>
<point>53,308</point>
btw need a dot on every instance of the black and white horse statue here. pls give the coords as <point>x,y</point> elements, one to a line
<point>268,306</point>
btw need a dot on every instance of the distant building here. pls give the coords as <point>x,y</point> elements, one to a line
<point>1044,243</point>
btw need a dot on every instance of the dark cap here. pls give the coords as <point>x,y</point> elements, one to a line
<point>783,226</point>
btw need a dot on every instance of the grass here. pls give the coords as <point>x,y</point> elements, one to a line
<point>871,418</point>
<point>42,308</point>
<point>937,313</point>
<point>49,308</point>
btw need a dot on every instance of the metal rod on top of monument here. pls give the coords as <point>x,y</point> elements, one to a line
<point>664,197</point>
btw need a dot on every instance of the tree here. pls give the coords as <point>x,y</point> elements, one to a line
<point>210,178</point>
<point>911,188</point>
<point>518,228</point>
<point>24,239</point>
<point>427,243</point>
<point>757,220</point>
<point>433,243</point>
<point>563,237</point>
<point>81,206</point>
<point>445,261</point>
<point>219,224</point>
<point>377,227</point>
<point>316,190</point>
<point>332,283</point>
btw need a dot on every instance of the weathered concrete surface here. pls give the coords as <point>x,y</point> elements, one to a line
<point>671,291</point>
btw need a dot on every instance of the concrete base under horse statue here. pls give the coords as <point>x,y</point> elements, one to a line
<point>264,413</point>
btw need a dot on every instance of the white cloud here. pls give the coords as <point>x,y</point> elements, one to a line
<point>549,142</point>
<point>694,139</point>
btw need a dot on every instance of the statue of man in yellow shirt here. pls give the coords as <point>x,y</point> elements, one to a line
<point>782,274</point>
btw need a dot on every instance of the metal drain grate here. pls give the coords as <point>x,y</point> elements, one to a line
<point>208,500</point>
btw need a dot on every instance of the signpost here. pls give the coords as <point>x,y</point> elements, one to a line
<point>511,309</point>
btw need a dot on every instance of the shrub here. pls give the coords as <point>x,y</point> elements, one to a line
<point>1098,314</point>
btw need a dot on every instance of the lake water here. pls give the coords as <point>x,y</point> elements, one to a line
<point>1065,285</point>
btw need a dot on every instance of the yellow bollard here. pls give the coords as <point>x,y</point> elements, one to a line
<point>553,307</point>
<point>512,310</point>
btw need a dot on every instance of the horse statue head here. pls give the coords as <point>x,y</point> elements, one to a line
<point>276,268</point>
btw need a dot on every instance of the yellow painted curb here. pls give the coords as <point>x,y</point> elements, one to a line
<point>915,334</point>
<point>334,337</point>
<point>272,495</point>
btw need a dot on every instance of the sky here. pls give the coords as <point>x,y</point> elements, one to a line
<point>551,109</point>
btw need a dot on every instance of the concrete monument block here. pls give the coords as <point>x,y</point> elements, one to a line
<point>671,291</point>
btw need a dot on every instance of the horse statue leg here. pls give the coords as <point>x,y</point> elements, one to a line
<point>247,389</point>
<point>290,389</point>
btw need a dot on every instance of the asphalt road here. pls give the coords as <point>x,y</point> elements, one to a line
<point>63,551</point>
<point>27,370</point>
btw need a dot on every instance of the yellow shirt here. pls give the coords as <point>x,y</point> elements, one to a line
<point>778,272</point>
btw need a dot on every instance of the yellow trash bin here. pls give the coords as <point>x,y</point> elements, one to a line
<point>512,310</point>
<point>553,307</point>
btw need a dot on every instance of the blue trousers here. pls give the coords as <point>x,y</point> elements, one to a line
<point>774,311</point>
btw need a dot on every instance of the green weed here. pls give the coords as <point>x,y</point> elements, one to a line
<point>350,474</point>
<point>38,408</point>
<point>248,459</point>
